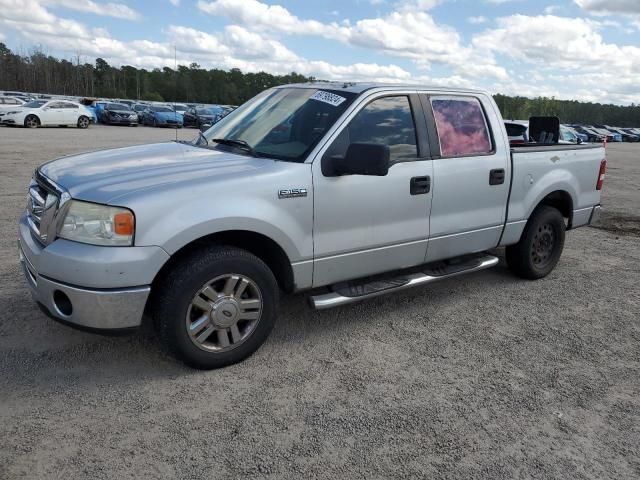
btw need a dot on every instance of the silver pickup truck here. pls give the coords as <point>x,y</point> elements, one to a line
<point>360,189</point>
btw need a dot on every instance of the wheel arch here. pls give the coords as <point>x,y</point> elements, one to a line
<point>562,201</point>
<point>262,246</point>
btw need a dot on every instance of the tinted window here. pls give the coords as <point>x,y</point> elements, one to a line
<point>35,104</point>
<point>67,105</point>
<point>385,121</point>
<point>462,127</point>
<point>160,109</point>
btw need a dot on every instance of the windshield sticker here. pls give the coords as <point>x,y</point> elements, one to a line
<point>327,97</point>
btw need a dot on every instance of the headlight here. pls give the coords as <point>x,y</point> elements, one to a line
<point>98,224</point>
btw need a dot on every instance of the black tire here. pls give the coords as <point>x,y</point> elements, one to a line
<point>83,122</point>
<point>177,290</point>
<point>540,247</point>
<point>31,121</point>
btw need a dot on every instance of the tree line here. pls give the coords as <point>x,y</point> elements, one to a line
<point>38,72</point>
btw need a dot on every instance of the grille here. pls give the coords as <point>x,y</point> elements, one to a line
<point>41,211</point>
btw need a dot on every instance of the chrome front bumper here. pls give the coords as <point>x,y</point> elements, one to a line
<point>104,309</point>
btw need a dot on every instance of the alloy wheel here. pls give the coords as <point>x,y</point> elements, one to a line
<point>224,313</point>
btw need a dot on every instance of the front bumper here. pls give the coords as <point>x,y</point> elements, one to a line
<point>92,309</point>
<point>89,286</point>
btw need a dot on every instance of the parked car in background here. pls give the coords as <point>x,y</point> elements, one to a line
<point>119,114</point>
<point>201,116</point>
<point>611,136</point>
<point>98,107</point>
<point>181,108</point>
<point>592,135</point>
<point>626,136</point>
<point>572,135</point>
<point>10,103</point>
<point>48,113</point>
<point>161,116</point>
<point>517,131</point>
<point>139,108</point>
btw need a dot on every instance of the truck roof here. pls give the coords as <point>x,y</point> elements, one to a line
<point>359,87</point>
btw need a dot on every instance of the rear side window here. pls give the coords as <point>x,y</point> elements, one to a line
<point>462,126</point>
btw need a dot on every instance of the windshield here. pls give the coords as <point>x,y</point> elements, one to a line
<point>117,106</point>
<point>35,103</point>
<point>205,111</point>
<point>161,109</point>
<point>282,123</point>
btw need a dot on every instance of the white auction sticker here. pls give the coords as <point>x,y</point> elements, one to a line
<point>327,97</point>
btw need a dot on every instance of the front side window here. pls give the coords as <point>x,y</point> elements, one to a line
<point>281,123</point>
<point>385,121</point>
<point>462,127</point>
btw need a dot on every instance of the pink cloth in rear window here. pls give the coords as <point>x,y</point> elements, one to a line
<point>461,127</point>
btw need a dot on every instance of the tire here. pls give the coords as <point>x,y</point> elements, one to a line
<point>540,247</point>
<point>31,121</point>
<point>83,122</point>
<point>195,296</point>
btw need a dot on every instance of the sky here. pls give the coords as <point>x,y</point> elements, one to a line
<point>571,49</point>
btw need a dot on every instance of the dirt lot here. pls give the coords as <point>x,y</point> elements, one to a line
<point>484,376</point>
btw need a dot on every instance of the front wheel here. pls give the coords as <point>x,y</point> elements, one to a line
<point>216,307</point>
<point>539,249</point>
<point>83,122</point>
<point>31,121</point>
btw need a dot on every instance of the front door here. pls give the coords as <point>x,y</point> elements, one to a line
<point>365,225</point>
<point>471,169</point>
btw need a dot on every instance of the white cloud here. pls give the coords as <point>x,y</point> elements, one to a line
<point>567,52</point>
<point>117,10</point>
<point>610,6</point>
<point>407,33</point>
<point>477,20</point>
<point>175,3</point>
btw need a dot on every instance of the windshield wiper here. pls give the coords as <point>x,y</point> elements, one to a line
<point>234,142</point>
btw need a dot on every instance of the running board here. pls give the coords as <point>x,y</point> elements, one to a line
<point>351,292</point>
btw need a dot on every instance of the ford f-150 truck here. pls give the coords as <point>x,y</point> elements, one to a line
<point>361,189</point>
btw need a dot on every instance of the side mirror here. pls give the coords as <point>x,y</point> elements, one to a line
<point>363,159</point>
<point>579,141</point>
<point>205,126</point>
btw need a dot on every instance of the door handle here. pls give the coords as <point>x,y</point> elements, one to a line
<point>420,185</point>
<point>496,176</point>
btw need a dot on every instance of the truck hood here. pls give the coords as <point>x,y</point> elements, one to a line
<point>105,175</point>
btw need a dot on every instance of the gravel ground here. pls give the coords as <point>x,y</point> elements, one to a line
<point>482,376</point>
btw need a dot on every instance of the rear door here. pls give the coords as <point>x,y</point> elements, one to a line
<point>471,171</point>
<point>70,113</point>
<point>367,224</point>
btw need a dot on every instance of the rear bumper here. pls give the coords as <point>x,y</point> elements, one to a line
<point>595,214</point>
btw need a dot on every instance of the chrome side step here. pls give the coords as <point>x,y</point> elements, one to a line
<point>351,292</point>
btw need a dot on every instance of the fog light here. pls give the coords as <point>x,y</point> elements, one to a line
<point>62,303</point>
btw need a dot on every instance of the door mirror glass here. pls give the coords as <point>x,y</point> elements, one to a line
<point>363,159</point>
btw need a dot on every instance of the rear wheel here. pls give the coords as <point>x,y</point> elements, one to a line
<point>216,307</point>
<point>31,121</point>
<point>83,122</point>
<point>539,249</point>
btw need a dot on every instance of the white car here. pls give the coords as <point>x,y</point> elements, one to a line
<point>39,113</point>
<point>9,103</point>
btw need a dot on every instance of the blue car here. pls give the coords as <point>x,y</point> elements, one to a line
<point>161,116</point>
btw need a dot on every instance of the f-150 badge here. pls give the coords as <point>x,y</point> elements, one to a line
<point>292,192</point>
